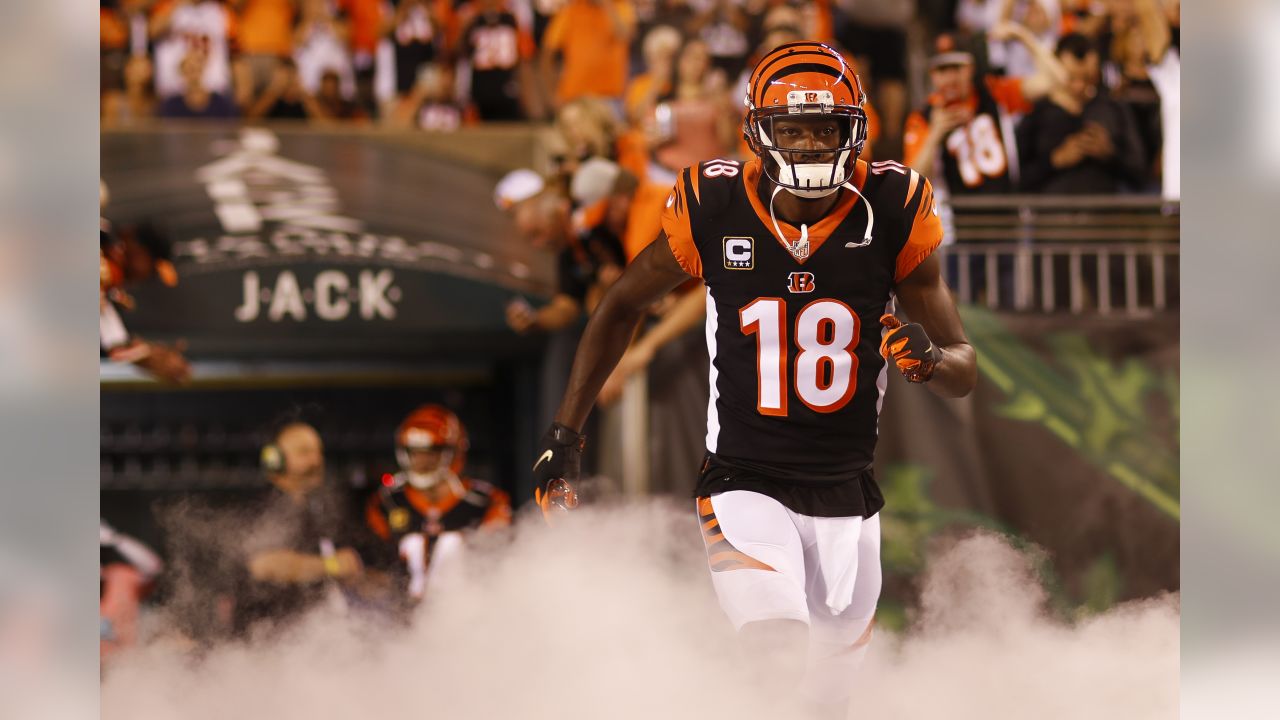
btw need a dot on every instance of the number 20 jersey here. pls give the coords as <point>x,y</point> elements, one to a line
<point>796,374</point>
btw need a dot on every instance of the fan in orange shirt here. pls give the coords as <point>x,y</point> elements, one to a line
<point>592,37</point>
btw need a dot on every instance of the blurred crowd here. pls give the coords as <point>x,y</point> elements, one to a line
<point>1071,90</point>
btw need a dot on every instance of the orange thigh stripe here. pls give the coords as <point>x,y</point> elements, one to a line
<point>721,554</point>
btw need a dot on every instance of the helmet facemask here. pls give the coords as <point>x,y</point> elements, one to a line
<point>794,169</point>
<point>424,480</point>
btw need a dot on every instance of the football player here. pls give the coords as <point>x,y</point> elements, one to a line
<point>430,499</point>
<point>805,251</point>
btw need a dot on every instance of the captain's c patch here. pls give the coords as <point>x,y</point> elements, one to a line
<point>739,253</point>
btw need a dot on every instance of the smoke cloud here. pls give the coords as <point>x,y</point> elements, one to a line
<point>611,615</point>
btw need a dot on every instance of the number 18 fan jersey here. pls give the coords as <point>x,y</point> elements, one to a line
<point>793,327</point>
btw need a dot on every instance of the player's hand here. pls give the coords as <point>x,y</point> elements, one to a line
<point>556,469</point>
<point>910,348</point>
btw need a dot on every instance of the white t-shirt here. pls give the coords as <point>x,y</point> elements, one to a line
<point>204,24</point>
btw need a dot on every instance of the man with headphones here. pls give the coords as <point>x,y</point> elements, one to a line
<point>298,548</point>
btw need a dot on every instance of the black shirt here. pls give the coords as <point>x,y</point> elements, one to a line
<point>578,266</point>
<point>1046,127</point>
<point>282,524</point>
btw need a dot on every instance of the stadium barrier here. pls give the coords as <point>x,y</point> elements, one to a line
<point>1076,254</point>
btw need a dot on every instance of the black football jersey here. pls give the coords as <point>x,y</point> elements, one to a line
<point>494,44</point>
<point>793,329</point>
<point>975,157</point>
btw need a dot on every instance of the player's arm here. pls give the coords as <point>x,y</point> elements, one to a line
<point>924,296</point>
<point>654,273</point>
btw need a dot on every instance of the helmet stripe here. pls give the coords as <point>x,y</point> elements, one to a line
<point>813,68</point>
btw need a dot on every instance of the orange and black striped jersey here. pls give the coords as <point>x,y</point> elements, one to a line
<point>792,328</point>
<point>974,155</point>
<point>399,509</point>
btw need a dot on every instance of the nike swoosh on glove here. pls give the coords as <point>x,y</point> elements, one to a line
<point>910,348</point>
<point>556,469</point>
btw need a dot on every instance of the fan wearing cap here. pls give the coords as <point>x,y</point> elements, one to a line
<point>962,128</point>
<point>430,499</point>
<point>805,250</point>
<point>589,256</point>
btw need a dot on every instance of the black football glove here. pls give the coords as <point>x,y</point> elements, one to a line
<point>910,348</point>
<point>557,468</point>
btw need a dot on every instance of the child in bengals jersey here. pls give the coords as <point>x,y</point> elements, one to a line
<point>421,510</point>
<point>805,251</point>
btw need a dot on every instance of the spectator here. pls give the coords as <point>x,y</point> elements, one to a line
<point>1123,48</point>
<point>591,37</point>
<point>265,37</point>
<point>421,511</point>
<point>367,21</point>
<point>724,28</point>
<point>140,97</point>
<point>676,14</point>
<point>631,207</point>
<point>182,27</point>
<point>197,100</point>
<point>285,99</point>
<point>113,53</point>
<point>415,31</point>
<point>1079,140</point>
<point>876,34</point>
<point>431,104</point>
<point>586,262</point>
<point>961,128</point>
<point>974,17</point>
<point>331,105</point>
<point>122,261</point>
<point>128,569</point>
<point>1042,18</point>
<point>320,46</point>
<point>299,547</point>
<point>696,120</point>
<point>543,11</point>
<point>588,128</point>
<point>660,46</point>
<point>1160,37</point>
<point>498,51</point>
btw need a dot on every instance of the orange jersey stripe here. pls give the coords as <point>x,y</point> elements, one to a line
<point>675,222</point>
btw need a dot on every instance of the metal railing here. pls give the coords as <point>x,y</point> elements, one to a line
<point>1103,254</point>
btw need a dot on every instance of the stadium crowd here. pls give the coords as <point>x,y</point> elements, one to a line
<point>656,84</point>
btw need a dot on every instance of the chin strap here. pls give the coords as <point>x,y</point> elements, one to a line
<point>427,480</point>
<point>871,217</point>
<point>800,247</point>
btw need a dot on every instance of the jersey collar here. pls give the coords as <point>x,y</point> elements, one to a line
<point>819,231</point>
